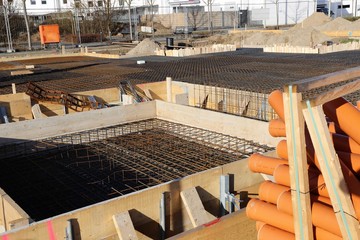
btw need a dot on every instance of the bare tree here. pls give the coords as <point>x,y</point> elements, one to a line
<point>151,3</point>
<point>209,4</point>
<point>128,3</point>
<point>195,17</point>
<point>27,25</point>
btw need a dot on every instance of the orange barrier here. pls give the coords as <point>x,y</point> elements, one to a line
<point>268,232</point>
<point>276,102</point>
<point>316,180</point>
<point>344,114</point>
<point>270,192</point>
<point>277,128</point>
<point>49,33</point>
<point>268,213</point>
<point>263,164</point>
<point>321,234</point>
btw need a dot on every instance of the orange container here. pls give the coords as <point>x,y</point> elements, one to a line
<point>321,234</point>
<point>263,164</point>
<point>277,128</point>
<point>268,232</point>
<point>316,180</point>
<point>49,33</point>
<point>266,212</point>
<point>269,191</point>
<point>345,115</point>
<point>276,102</point>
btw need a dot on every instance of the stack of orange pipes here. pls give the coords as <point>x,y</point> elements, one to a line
<point>273,210</point>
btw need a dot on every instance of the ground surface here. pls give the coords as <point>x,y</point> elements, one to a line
<point>246,69</point>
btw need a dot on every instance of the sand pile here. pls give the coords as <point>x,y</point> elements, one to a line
<point>144,48</point>
<point>355,26</point>
<point>316,19</point>
<point>338,24</point>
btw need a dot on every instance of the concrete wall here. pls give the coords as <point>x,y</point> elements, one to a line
<point>18,106</point>
<point>95,222</point>
<point>215,121</point>
<point>47,127</point>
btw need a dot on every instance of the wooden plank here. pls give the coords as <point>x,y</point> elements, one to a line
<point>21,72</point>
<point>233,226</point>
<point>194,207</point>
<point>331,171</point>
<point>336,93</point>
<point>327,79</point>
<point>124,226</point>
<point>148,93</point>
<point>36,111</point>
<point>300,192</point>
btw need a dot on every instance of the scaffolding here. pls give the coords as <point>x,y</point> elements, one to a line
<point>59,174</point>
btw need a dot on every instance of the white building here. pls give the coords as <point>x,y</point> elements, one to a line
<point>267,12</point>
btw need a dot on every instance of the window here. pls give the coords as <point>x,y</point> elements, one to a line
<point>43,1</point>
<point>33,2</point>
<point>64,1</point>
<point>100,3</point>
<point>90,4</point>
<point>343,6</point>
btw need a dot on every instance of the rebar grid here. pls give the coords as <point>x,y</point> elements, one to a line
<point>74,170</point>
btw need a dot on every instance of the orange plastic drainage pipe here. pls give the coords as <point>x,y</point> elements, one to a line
<point>345,143</point>
<point>277,128</point>
<point>316,180</point>
<point>284,203</point>
<point>266,212</point>
<point>270,192</point>
<point>276,102</point>
<point>323,215</point>
<point>321,234</point>
<point>268,232</point>
<point>263,164</point>
<point>281,149</point>
<point>258,225</point>
<point>345,115</point>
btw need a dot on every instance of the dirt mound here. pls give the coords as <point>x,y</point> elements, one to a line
<point>306,37</point>
<point>316,19</point>
<point>338,24</point>
<point>144,48</point>
<point>355,26</point>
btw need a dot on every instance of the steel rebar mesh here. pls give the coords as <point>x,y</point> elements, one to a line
<point>62,173</point>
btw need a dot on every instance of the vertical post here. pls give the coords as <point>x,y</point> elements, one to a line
<point>63,51</point>
<point>163,216</point>
<point>299,179</point>
<point>331,171</point>
<point>224,190</point>
<point>69,231</point>
<point>8,29</point>
<point>13,88</point>
<point>169,89</point>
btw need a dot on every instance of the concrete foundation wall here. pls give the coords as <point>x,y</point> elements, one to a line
<point>48,127</point>
<point>95,222</point>
<point>215,121</point>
